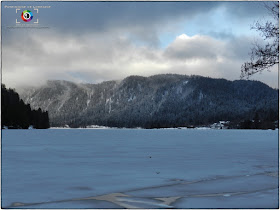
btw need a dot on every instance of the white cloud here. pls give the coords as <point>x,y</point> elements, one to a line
<point>195,47</point>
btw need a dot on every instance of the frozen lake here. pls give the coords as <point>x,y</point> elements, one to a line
<point>122,168</point>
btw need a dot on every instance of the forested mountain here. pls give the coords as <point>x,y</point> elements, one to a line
<point>16,114</point>
<point>157,101</point>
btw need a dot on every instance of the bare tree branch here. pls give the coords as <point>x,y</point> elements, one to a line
<point>264,57</point>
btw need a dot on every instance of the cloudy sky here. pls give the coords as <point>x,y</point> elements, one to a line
<point>96,41</point>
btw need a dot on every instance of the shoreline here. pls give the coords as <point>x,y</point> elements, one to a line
<point>138,128</point>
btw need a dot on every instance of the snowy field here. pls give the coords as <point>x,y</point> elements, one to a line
<point>122,168</point>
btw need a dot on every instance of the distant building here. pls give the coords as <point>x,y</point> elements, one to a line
<point>220,125</point>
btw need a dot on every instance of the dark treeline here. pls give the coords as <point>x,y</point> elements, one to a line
<point>260,119</point>
<point>17,115</point>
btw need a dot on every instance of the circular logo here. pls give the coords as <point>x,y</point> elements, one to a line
<point>26,15</point>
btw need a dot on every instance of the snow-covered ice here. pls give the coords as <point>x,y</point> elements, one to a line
<point>135,168</point>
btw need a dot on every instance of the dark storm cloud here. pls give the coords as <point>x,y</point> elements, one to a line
<point>140,19</point>
<point>81,17</point>
<point>99,16</point>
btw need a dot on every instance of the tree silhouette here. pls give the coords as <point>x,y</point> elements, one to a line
<point>264,57</point>
<point>16,114</point>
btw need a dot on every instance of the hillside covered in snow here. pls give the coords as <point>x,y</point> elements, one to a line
<point>154,102</point>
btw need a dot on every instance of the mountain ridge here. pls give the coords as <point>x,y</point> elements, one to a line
<point>165,100</point>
